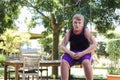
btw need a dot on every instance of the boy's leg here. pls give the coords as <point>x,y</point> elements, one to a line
<point>88,69</point>
<point>64,70</point>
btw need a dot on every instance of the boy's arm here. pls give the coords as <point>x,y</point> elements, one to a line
<point>65,42</point>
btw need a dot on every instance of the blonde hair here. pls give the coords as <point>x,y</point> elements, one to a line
<point>78,17</point>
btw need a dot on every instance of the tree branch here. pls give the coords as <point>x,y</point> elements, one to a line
<point>34,7</point>
<point>53,20</point>
<point>73,5</point>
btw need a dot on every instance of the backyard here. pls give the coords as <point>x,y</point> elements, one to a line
<point>99,72</point>
<point>40,25</point>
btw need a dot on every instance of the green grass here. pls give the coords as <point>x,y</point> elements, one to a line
<point>1,72</point>
<point>96,77</point>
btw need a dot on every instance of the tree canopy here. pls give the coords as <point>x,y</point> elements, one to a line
<point>12,40</point>
<point>9,10</point>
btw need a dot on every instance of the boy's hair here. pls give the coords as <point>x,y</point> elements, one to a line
<point>78,17</point>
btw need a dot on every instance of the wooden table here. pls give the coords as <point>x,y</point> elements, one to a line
<point>17,64</point>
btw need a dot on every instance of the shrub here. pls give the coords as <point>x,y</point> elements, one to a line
<point>2,59</point>
<point>113,48</point>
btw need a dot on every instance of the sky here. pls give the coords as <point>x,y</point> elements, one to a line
<point>20,22</point>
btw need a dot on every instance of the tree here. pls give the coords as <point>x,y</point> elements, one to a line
<point>9,10</point>
<point>46,41</point>
<point>103,14</point>
<point>56,14</point>
<point>59,12</point>
<point>12,40</point>
<point>53,17</point>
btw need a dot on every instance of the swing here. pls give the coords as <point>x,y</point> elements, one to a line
<point>79,3</point>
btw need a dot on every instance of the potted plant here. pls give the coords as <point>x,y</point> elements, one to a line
<point>113,48</point>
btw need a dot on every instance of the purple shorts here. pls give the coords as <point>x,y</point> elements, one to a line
<point>73,61</point>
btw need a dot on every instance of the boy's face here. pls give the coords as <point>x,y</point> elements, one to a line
<point>78,24</point>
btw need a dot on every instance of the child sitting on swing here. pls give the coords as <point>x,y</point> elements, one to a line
<point>82,43</point>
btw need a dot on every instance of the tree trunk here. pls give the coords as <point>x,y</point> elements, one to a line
<point>56,33</point>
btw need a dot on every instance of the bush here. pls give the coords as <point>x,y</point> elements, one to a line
<point>113,48</point>
<point>2,59</point>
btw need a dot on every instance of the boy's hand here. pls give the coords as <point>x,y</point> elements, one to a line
<point>72,54</point>
<point>78,55</point>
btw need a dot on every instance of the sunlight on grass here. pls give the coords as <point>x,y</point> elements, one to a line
<point>1,72</point>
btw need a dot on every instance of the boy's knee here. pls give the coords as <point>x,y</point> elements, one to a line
<point>64,63</point>
<point>86,62</point>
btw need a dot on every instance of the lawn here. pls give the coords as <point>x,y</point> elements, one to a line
<point>1,72</point>
<point>76,73</point>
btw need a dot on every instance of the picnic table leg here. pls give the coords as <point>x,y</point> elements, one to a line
<point>16,72</point>
<point>5,72</point>
<point>47,72</point>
